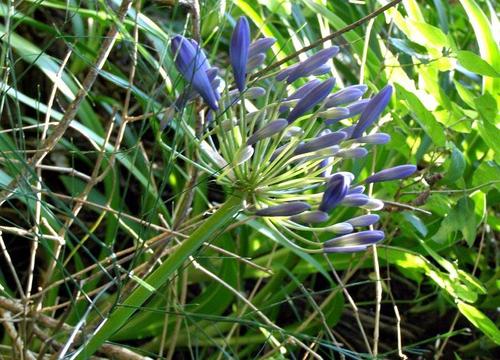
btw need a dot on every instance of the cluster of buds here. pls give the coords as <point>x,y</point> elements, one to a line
<point>284,149</point>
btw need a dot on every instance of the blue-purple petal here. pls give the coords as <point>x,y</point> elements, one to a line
<point>372,111</point>
<point>346,95</point>
<point>368,237</point>
<point>192,64</point>
<point>268,130</point>
<point>314,97</point>
<point>376,139</point>
<point>238,52</point>
<point>260,46</point>
<point>364,220</point>
<point>310,217</point>
<point>286,209</point>
<point>336,189</point>
<point>321,142</point>
<point>394,173</point>
<point>255,61</point>
<point>355,200</point>
<point>308,66</point>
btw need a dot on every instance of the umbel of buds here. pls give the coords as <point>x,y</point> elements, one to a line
<point>283,141</point>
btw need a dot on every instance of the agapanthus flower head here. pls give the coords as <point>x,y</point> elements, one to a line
<point>282,146</point>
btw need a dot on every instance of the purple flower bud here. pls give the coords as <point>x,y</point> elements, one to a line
<point>192,64</point>
<point>283,108</point>
<point>203,59</point>
<point>308,66</point>
<point>356,190</point>
<point>365,238</point>
<point>255,92</point>
<point>244,154</point>
<point>299,94</point>
<point>347,174</point>
<point>238,51</point>
<point>357,107</point>
<point>346,95</point>
<point>394,173</point>
<point>278,152</point>
<point>323,69</point>
<point>215,83</point>
<point>364,220</point>
<point>334,114</point>
<point>304,90</point>
<point>320,143</point>
<point>294,131</point>
<point>310,217</point>
<point>377,139</point>
<point>212,73</point>
<point>374,204</point>
<point>268,130</point>
<point>287,209</point>
<point>355,200</point>
<point>352,153</point>
<point>260,46</point>
<point>327,165</point>
<point>283,74</point>
<point>255,61</point>
<point>345,249</point>
<point>314,97</point>
<point>372,111</point>
<point>335,191</point>
<point>341,228</point>
<point>348,130</point>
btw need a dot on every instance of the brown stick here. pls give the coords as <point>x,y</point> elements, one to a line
<point>113,351</point>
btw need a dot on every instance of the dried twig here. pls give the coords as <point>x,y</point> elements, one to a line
<point>112,351</point>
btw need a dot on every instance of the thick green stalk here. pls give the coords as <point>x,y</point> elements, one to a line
<point>215,223</point>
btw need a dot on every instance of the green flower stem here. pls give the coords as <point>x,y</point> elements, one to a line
<point>215,223</point>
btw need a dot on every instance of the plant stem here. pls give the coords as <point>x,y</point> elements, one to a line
<point>215,223</point>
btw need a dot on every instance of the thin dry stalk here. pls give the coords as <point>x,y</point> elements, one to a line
<point>10,330</point>
<point>112,351</point>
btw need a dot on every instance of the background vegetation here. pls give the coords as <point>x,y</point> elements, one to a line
<point>87,197</point>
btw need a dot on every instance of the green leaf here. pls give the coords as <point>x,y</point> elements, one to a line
<point>460,218</point>
<point>488,172</point>
<point>428,35</point>
<point>210,227</point>
<point>480,208</point>
<point>488,47</point>
<point>487,107</point>
<point>475,63</point>
<point>465,94</point>
<point>481,321</point>
<point>424,117</point>
<point>456,167</point>
<point>416,222</point>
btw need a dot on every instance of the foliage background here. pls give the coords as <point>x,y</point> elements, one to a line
<point>113,186</point>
